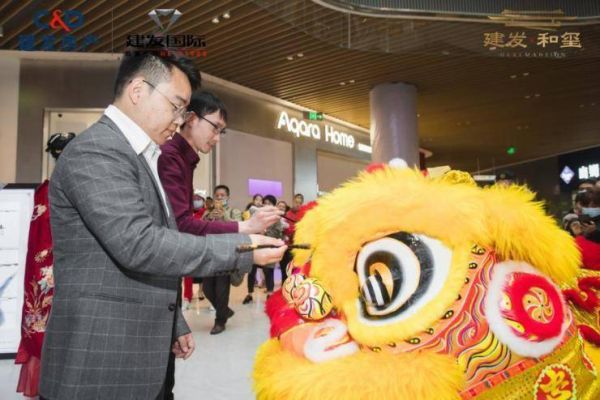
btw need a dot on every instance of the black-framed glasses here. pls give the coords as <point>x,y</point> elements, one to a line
<point>180,111</point>
<point>219,131</point>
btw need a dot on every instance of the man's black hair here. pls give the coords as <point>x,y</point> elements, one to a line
<point>155,67</point>
<point>203,103</point>
<point>270,198</point>
<point>224,187</point>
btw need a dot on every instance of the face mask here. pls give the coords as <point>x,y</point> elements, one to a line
<point>593,212</point>
<point>198,204</point>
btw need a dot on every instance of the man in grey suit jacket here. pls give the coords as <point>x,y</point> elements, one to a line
<point>117,253</point>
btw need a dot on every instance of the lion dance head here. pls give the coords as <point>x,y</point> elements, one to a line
<point>425,288</point>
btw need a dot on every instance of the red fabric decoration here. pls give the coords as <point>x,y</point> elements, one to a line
<point>590,334</point>
<point>283,316</point>
<point>535,304</point>
<point>585,297</point>
<point>39,289</point>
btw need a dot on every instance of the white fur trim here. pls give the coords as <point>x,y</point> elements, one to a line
<point>398,163</point>
<point>501,329</point>
<point>316,348</point>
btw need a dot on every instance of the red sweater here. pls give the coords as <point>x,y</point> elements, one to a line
<point>590,252</point>
<point>176,166</point>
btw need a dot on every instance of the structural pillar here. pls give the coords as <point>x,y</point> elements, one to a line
<point>394,123</point>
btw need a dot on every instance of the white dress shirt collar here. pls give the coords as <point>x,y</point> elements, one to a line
<point>140,142</point>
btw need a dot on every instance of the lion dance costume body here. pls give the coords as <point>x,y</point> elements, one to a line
<point>422,288</point>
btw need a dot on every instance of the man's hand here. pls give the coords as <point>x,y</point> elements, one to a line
<point>265,257</point>
<point>261,220</point>
<point>588,227</point>
<point>184,346</point>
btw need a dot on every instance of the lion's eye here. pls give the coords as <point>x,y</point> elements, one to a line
<point>399,273</point>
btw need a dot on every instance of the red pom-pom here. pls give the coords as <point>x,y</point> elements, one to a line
<point>374,167</point>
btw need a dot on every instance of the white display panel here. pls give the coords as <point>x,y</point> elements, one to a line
<point>16,208</point>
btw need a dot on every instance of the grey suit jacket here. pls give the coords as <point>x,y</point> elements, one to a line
<point>117,263</point>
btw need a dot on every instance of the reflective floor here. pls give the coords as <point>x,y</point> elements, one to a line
<point>221,366</point>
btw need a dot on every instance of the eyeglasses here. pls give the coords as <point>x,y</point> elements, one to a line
<point>179,111</point>
<point>219,131</point>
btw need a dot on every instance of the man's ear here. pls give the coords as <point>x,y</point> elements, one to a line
<point>135,90</point>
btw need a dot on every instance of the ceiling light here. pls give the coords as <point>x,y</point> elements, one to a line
<point>300,55</point>
<point>215,20</point>
<point>513,77</point>
<point>446,52</point>
<point>537,95</point>
<point>593,104</point>
<point>525,73</point>
<point>528,96</point>
<point>290,58</point>
<point>226,15</point>
<point>342,83</point>
<point>581,105</point>
<point>351,81</point>
<point>418,115</point>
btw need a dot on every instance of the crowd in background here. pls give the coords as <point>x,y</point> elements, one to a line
<point>583,222</point>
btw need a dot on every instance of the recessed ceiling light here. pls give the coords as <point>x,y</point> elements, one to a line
<point>226,15</point>
<point>537,95</point>
<point>215,20</point>
<point>446,52</point>
<point>351,81</point>
<point>342,83</point>
<point>525,73</point>
<point>528,96</point>
<point>290,58</point>
<point>593,104</point>
<point>581,105</point>
<point>418,115</point>
<point>513,77</point>
<point>300,55</point>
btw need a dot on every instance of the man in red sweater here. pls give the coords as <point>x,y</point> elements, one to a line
<point>205,123</point>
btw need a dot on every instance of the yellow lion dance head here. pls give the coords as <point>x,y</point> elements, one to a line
<point>423,288</point>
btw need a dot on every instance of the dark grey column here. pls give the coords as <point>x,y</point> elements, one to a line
<point>394,123</point>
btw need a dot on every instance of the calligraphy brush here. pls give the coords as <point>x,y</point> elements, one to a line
<point>243,248</point>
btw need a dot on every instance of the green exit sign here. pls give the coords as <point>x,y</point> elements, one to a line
<point>313,115</point>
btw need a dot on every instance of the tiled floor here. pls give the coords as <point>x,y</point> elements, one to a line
<point>221,366</point>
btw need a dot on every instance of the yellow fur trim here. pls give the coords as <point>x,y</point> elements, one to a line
<point>372,205</point>
<point>280,375</point>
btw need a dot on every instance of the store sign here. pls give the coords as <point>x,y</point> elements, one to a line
<point>313,130</point>
<point>190,45</point>
<point>532,45</point>
<point>567,174</point>
<point>61,23</point>
<point>589,171</point>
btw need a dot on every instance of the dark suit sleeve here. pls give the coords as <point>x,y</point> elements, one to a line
<point>170,170</point>
<point>99,178</point>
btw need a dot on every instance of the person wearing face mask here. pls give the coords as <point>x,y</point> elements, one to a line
<point>589,239</point>
<point>118,256</point>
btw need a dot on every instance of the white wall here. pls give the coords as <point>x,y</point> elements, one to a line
<point>332,170</point>
<point>9,115</point>
<point>243,156</point>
